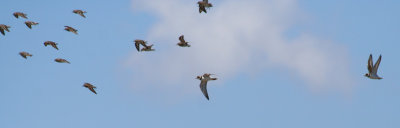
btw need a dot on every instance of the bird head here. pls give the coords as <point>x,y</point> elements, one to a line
<point>198,77</point>
<point>367,75</point>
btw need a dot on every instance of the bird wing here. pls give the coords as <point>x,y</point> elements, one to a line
<point>376,66</point>
<point>182,39</point>
<point>203,87</point>
<point>205,1</point>
<point>24,16</point>
<point>82,15</point>
<point>29,25</point>
<point>91,89</point>
<point>2,31</point>
<point>137,46</point>
<point>370,64</point>
<point>16,15</point>
<point>54,46</point>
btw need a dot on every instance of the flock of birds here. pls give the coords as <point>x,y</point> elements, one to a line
<point>203,5</point>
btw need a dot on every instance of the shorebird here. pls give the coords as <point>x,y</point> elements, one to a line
<point>59,60</point>
<point>203,5</point>
<point>25,54</point>
<point>80,12</point>
<point>90,87</point>
<point>30,23</point>
<point>373,69</point>
<point>4,27</point>
<point>182,42</point>
<point>53,44</point>
<point>20,14</point>
<point>71,29</point>
<point>203,84</point>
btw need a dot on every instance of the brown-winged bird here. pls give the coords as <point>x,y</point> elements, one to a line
<point>144,44</point>
<point>203,84</point>
<point>71,29</point>
<point>373,69</point>
<point>203,5</point>
<point>53,44</point>
<point>30,23</point>
<point>59,60</point>
<point>80,12</point>
<point>182,42</point>
<point>25,54</point>
<point>4,27</point>
<point>20,14</point>
<point>90,87</point>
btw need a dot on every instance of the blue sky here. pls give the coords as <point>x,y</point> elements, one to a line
<point>282,64</point>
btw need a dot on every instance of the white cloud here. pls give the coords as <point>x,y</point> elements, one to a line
<point>235,36</point>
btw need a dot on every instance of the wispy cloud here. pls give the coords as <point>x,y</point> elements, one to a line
<point>236,36</point>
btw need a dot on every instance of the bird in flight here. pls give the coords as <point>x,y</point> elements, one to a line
<point>20,14</point>
<point>90,87</point>
<point>59,60</point>
<point>4,27</point>
<point>182,42</point>
<point>79,12</point>
<point>373,69</point>
<point>203,5</point>
<point>53,44</point>
<point>203,84</point>
<point>25,54</point>
<point>71,29</point>
<point>144,44</point>
<point>30,23</point>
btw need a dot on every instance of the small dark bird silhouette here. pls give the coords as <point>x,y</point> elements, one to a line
<point>20,14</point>
<point>80,12</point>
<point>4,27</point>
<point>59,60</point>
<point>71,29</point>
<point>203,84</point>
<point>30,23</point>
<point>147,48</point>
<point>25,54</point>
<point>203,5</point>
<point>144,44</point>
<point>373,68</point>
<point>53,44</point>
<point>90,87</point>
<point>182,42</point>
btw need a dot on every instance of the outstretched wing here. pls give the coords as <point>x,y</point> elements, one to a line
<point>203,87</point>
<point>205,1</point>
<point>2,31</point>
<point>92,89</point>
<point>82,15</point>
<point>54,46</point>
<point>29,25</point>
<point>182,39</point>
<point>137,46</point>
<point>370,64</point>
<point>376,66</point>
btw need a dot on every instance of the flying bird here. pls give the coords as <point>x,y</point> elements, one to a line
<point>182,42</point>
<point>53,44</point>
<point>20,14</point>
<point>25,54</point>
<point>59,60</point>
<point>90,87</point>
<point>138,43</point>
<point>30,23</point>
<point>203,84</point>
<point>71,29</point>
<point>4,27</point>
<point>203,5</point>
<point>80,12</point>
<point>373,69</point>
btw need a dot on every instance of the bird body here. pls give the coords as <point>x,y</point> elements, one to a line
<point>203,84</point>
<point>373,69</point>
<point>53,44</point>
<point>25,54</point>
<point>71,29</point>
<point>203,5</point>
<point>182,42</point>
<point>90,87</point>
<point>20,14</point>
<point>59,60</point>
<point>4,28</point>
<point>30,23</point>
<point>79,12</point>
